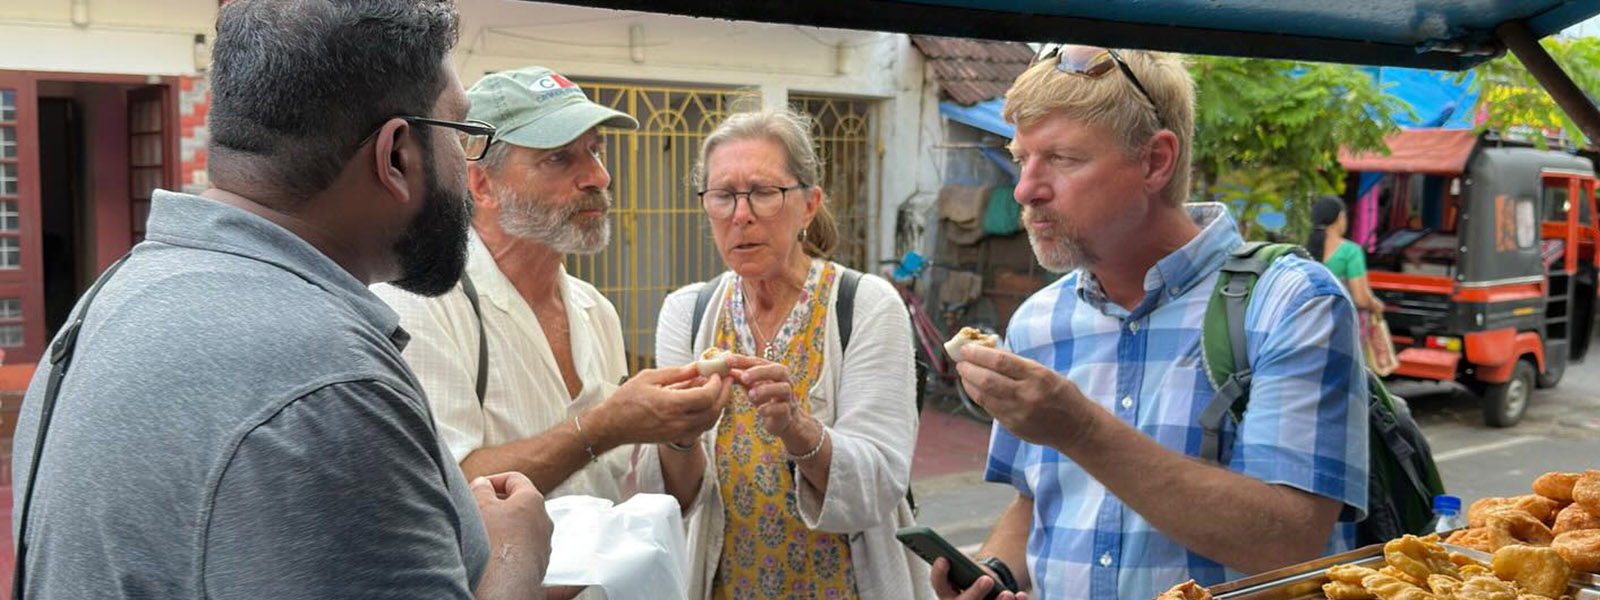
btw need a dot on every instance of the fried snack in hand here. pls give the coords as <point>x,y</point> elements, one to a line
<point>1542,508</point>
<point>1539,571</point>
<point>1485,587</point>
<point>1575,518</point>
<point>1344,590</point>
<point>1556,485</point>
<point>1188,590</point>
<point>1511,528</point>
<point>1349,573</point>
<point>1476,538</point>
<point>1581,549</point>
<point>1586,492</point>
<point>1386,587</point>
<point>1418,559</point>
<point>1478,512</point>
<point>714,361</point>
<point>969,335</point>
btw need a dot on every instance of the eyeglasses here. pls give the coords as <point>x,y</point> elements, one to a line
<point>765,201</point>
<point>1094,63</point>
<point>474,136</point>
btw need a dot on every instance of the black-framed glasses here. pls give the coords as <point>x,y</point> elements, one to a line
<point>1094,63</point>
<point>765,200</point>
<point>474,136</point>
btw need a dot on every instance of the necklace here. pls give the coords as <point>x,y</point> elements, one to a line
<point>767,351</point>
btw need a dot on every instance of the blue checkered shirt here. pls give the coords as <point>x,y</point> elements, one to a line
<point>1306,426</point>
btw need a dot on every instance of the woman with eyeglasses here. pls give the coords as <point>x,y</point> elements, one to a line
<point>798,490</point>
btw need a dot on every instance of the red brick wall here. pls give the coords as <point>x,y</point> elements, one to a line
<point>194,101</point>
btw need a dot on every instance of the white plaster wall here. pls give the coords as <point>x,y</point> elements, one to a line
<point>777,60</point>
<point>157,37</point>
<point>140,37</point>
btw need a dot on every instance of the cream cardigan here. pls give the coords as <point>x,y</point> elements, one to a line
<point>867,401</point>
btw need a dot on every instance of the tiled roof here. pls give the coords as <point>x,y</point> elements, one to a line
<point>971,71</point>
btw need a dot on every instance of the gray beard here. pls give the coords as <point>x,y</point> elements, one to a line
<point>554,226</point>
<point>1066,253</point>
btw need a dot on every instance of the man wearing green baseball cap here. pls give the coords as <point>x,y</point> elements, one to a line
<point>522,362</point>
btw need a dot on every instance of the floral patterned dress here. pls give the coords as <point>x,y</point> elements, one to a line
<point>767,550</point>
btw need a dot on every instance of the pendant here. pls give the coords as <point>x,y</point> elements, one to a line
<point>770,354</point>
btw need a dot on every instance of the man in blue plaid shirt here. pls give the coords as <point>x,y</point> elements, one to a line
<point>1097,403</point>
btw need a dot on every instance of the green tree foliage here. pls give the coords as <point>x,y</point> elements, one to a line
<point>1512,101</point>
<point>1268,132</point>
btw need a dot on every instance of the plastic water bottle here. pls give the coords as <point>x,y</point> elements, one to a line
<point>1448,509</point>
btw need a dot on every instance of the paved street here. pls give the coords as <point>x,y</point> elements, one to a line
<point>1560,432</point>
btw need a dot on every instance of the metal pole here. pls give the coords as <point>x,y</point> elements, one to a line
<point>1567,95</point>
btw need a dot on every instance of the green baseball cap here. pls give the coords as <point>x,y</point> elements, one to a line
<point>535,107</point>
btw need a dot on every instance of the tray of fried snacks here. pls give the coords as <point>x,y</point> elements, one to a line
<point>1412,568</point>
<point>1562,513</point>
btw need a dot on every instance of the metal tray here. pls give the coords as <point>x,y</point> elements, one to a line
<point>1304,581</point>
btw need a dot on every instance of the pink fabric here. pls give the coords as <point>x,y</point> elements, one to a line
<point>1364,224</point>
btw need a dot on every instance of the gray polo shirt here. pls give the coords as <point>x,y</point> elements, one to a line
<point>238,423</point>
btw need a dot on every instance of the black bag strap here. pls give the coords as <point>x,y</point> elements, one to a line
<point>1387,423</point>
<point>844,311</point>
<point>483,340</point>
<point>702,300</point>
<point>60,358</point>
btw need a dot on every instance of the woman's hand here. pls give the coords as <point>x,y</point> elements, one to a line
<point>768,387</point>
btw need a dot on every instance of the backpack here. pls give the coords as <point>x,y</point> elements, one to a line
<point>843,313</point>
<point>1402,477</point>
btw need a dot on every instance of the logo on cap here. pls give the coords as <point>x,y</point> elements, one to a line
<point>553,81</point>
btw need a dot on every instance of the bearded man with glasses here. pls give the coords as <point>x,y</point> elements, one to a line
<point>237,421</point>
<point>1097,394</point>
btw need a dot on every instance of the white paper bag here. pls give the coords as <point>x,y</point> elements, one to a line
<point>633,551</point>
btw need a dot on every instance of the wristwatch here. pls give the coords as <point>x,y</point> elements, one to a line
<point>1007,580</point>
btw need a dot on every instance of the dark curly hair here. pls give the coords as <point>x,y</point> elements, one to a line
<point>297,85</point>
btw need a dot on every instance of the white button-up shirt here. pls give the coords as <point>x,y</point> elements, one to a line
<point>526,394</point>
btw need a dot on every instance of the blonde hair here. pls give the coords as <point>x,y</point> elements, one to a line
<point>1111,101</point>
<point>792,132</point>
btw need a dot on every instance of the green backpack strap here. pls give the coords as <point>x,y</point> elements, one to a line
<point>1222,338</point>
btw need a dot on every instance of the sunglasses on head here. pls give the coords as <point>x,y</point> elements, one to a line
<point>1094,63</point>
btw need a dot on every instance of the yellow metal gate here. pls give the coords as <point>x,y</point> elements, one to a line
<point>843,133</point>
<point>660,238</point>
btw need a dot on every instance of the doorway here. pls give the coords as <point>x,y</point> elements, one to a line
<point>61,203</point>
<point>79,156</point>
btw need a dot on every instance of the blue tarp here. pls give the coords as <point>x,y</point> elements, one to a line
<point>1435,97</point>
<point>983,115</point>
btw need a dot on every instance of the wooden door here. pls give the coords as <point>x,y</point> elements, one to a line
<point>148,152</point>
<point>21,287</point>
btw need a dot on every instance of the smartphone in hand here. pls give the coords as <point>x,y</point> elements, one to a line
<point>963,572</point>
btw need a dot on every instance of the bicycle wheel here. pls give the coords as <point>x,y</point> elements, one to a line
<point>971,408</point>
